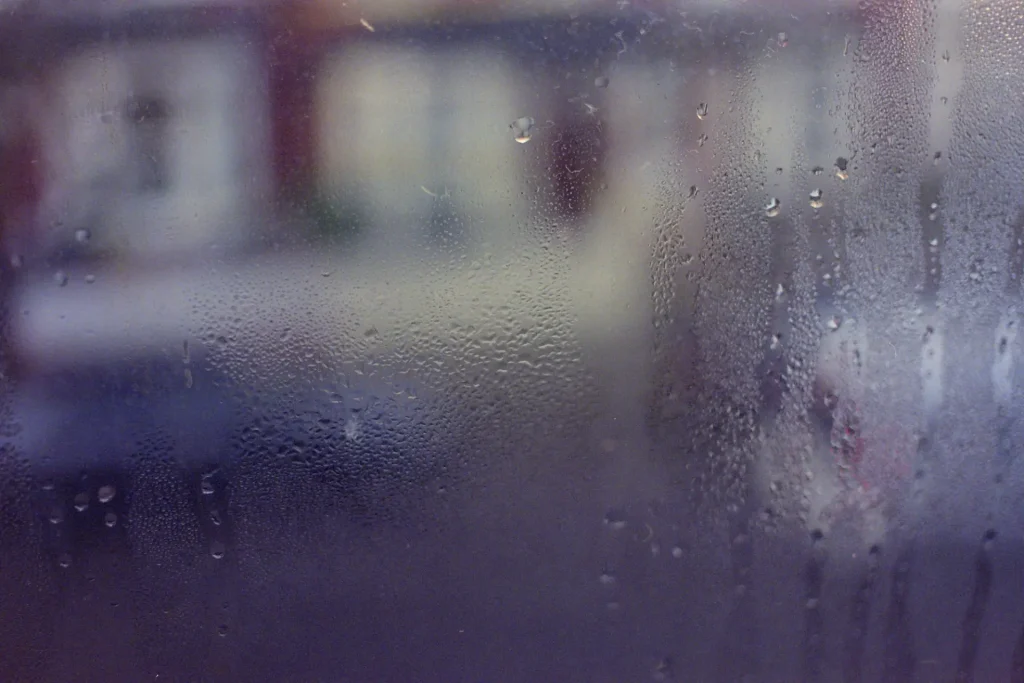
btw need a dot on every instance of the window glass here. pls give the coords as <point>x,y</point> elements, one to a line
<point>510,340</point>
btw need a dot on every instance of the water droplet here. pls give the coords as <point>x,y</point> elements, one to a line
<point>607,578</point>
<point>702,139</point>
<point>56,516</point>
<point>663,670</point>
<point>944,100</point>
<point>106,493</point>
<point>772,207</point>
<point>841,168</point>
<point>217,550</point>
<point>783,39</point>
<point>522,129</point>
<point>945,55</point>
<point>215,517</point>
<point>615,519</point>
<point>82,235</point>
<point>90,278</point>
<point>778,170</point>
<point>817,170</point>
<point>812,603</point>
<point>937,158</point>
<point>693,192</point>
<point>82,501</point>
<point>601,82</point>
<point>222,630</point>
<point>61,278</point>
<point>65,560</point>
<point>110,519</point>
<point>353,431</point>
<point>816,199</point>
<point>833,323</point>
<point>677,552</point>
<point>702,110</point>
<point>206,486</point>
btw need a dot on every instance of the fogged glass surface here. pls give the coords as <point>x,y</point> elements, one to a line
<point>511,340</point>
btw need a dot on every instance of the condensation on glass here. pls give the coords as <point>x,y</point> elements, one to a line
<point>581,340</point>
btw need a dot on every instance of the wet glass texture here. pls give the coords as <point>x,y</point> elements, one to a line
<point>511,340</point>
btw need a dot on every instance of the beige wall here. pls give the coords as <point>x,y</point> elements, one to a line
<point>408,128</point>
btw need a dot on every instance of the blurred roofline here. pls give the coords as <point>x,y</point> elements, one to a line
<point>333,14</point>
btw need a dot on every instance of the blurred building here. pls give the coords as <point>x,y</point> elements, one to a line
<point>159,128</point>
<point>155,146</point>
<point>153,133</point>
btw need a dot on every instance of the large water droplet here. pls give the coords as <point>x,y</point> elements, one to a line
<point>106,493</point>
<point>522,129</point>
<point>841,168</point>
<point>217,550</point>
<point>816,198</point>
<point>702,110</point>
<point>615,519</point>
<point>772,207</point>
<point>110,519</point>
<point>82,501</point>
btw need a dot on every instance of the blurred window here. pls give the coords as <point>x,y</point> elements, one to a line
<point>149,118</point>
